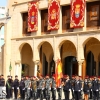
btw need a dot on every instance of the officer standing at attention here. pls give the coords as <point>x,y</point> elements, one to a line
<point>27,88</point>
<point>48,87</point>
<point>22,88</point>
<point>16,86</point>
<point>95,88</point>
<point>77,88</point>
<point>53,87</point>
<point>2,81</point>
<point>8,87</point>
<point>67,87</point>
<point>41,86</point>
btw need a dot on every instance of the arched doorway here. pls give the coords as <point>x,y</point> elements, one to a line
<point>27,60</point>
<point>90,67</point>
<point>46,59</point>
<point>91,53</point>
<point>68,58</point>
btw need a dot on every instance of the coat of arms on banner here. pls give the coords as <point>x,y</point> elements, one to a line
<point>77,13</point>
<point>32,16</point>
<point>53,14</point>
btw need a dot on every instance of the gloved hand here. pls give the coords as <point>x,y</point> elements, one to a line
<point>23,88</point>
<point>69,89</point>
<point>17,87</point>
<point>12,87</point>
<point>79,90</point>
<point>29,88</point>
<point>97,90</point>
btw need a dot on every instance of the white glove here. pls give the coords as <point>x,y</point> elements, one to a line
<point>97,90</point>
<point>54,88</point>
<point>49,88</point>
<point>69,89</point>
<point>91,89</point>
<point>73,89</point>
<point>24,89</point>
<point>29,88</point>
<point>17,87</point>
<point>79,90</point>
<point>42,88</point>
<point>12,87</point>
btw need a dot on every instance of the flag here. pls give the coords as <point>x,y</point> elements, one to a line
<point>33,16</point>
<point>77,13</point>
<point>10,67</point>
<point>53,14</point>
<point>58,72</point>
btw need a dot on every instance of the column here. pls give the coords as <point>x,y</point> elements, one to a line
<point>97,67</point>
<point>80,68</point>
<point>18,68</point>
<point>36,67</point>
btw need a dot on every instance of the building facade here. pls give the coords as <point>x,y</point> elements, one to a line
<point>37,52</point>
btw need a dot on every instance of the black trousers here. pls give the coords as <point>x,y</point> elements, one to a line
<point>77,95</point>
<point>22,93</point>
<point>53,94</point>
<point>67,95</point>
<point>8,91</point>
<point>96,95</point>
<point>15,92</point>
<point>59,90</point>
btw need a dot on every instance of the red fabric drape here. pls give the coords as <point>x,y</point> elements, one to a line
<point>32,16</point>
<point>53,14</point>
<point>77,13</point>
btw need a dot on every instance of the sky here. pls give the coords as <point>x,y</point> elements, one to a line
<point>3,2</point>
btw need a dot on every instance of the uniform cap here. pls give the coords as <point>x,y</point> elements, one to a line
<point>16,76</point>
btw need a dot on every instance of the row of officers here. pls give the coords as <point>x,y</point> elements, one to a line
<point>45,87</point>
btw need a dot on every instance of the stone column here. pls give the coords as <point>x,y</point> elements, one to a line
<point>97,67</point>
<point>80,68</point>
<point>36,67</point>
<point>18,68</point>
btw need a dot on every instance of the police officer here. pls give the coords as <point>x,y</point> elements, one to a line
<point>8,87</point>
<point>11,92</point>
<point>77,88</point>
<point>67,87</point>
<point>16,86</point>
<point>2,81</point>
<point>27,87</point>
<point>48,87</point>
<point>34,87</point>
<point>53,87</point>
<point>41,86</point>
<point>22,88</point>
<point>95,88</point>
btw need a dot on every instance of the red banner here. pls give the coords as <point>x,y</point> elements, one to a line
<point>58,72</point>
<point>32,16</point>
<point>53,14</point>
<point>77,13</point>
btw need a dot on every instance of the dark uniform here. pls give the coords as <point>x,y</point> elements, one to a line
<point>77,88</point>
<point>53,88</point>
<point>22,88</point>
<point>16,86</point>
<point>95,88</point>
<point>67,88</point>
<point>8,88</point>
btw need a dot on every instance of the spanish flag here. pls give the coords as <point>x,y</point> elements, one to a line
<point>58,72</point>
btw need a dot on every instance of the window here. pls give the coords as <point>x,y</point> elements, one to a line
<point>44,21</point>
<point>66,18</point>
<point>25,24</point>
<point>94,12</point>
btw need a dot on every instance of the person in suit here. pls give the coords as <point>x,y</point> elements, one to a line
<point>67,87</point>
<point>95,88</point>
<point>77,88</point>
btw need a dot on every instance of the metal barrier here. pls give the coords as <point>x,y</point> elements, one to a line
<point>2,92</point>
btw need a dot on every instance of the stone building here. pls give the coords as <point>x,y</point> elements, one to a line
<point>29,53</point>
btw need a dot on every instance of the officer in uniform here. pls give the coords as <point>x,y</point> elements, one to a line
<point>27,87</point>
<point>34,87</point>
<point>16,86</point>
<point>41,86</point>
<point>2,81</point>
<point>95,88</point>
<point>77,88</point>
<point>67,87</point>
<point>8,87</point>
<point>22,88</point>
<point>90,86</point>
<point>53,87</point>
<point>48,87</point>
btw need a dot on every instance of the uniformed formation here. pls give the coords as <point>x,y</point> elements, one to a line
<point>45,88</point>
